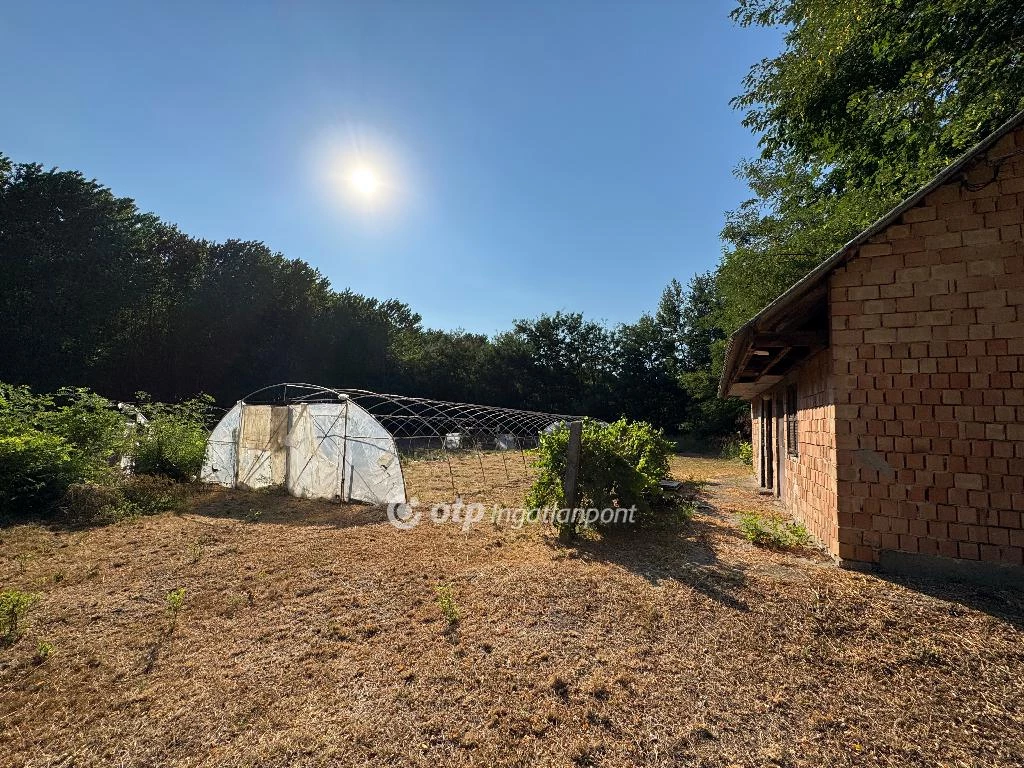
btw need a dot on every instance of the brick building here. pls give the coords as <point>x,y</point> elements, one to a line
<point>887,386</point>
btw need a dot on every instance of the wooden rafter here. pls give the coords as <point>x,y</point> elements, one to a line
<point>812,339</point>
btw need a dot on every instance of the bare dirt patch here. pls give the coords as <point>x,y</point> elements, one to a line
<point>311,634</point>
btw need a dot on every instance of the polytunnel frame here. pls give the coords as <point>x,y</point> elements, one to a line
<point>412,424</point>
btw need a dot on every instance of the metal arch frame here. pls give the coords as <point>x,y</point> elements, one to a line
<point>409,418</point>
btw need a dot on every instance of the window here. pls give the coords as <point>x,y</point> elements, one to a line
<point>792,431</point>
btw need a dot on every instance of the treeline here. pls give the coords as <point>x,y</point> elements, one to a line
<point>96,293</point>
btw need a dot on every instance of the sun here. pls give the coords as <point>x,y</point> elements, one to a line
<point>365,182</point>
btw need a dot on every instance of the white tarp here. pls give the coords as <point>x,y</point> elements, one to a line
<point>315,450</point>
<point>262,449</point>
<point>372,470</point>
<point>221,463</point>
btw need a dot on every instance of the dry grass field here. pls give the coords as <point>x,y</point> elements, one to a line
<point>312,634</point>
<point>488,477</point>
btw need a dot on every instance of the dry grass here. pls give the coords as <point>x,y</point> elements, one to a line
<point>690,467</point>
<point>490,477</point>
<point>312,634</point>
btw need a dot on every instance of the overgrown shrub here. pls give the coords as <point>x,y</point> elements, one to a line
<point>91,503</point>
<point>134,496</point>
<point>621,465</point>
<point>773,533</point>
<point>92,428</point>
<point>93,425</point>
<point>173,443</point>
<point>50,442</point>
<point>739,449</point>
<point>151,495</point>
<point>63,452</point>
<point>35,471</point>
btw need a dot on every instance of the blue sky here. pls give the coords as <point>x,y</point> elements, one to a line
<point>536,156</point>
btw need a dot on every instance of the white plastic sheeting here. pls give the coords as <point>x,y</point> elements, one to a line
<point>221,463</point>
<point>372,468</point>
<point>315,450</point>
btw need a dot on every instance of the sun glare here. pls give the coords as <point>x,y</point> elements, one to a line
<point>359,176</point>
<point>365,182</point>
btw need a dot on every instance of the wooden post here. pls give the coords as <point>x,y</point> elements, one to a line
<point>572,470</point>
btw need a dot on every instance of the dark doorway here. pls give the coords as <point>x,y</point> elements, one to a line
<point>767,445</point>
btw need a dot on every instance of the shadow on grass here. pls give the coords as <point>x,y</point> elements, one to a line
<point>199,502</point>
<point>277,508</point>
<point>1005,604</point>
<point>683,552</point>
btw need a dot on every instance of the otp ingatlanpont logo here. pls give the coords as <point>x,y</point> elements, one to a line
<point>404,515</point>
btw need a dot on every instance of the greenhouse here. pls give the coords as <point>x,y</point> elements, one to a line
<point>348,444</point>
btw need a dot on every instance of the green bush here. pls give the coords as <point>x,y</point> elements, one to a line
<point>739,449</point>
<point>35,471</point>
<point>773,533</point>
<point>173,443</point>
<point>93,425</point>
<point>746,453</point>
<point>134,496</point>
<point>621,465</point>
<point>63,452</point>
<point>50,442</point>
<point>14,605</point>
<point>93,429</point>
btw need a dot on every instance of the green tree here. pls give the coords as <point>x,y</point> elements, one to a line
<point>867,102</point>
<point>645,387</point>
<point>446,365</point>
<point>708,418</point>
<point>700,323</point>
<point>648,361</point>
<point>77,260</point>
<point>669,318</point>
<point>558,362</point>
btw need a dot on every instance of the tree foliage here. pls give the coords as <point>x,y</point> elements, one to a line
<point>866,103</point>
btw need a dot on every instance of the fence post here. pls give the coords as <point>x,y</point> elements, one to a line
<point>567,532</point>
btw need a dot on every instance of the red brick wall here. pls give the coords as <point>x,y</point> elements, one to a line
<point>927,325</point>
<point>809,479</point>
